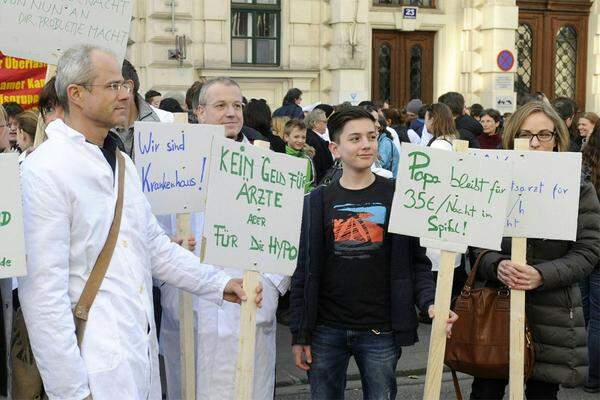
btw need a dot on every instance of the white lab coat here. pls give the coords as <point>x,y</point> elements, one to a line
<point>217,335</point>
<point>69,194</point>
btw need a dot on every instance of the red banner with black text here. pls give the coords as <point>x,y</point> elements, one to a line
<point>21,81</point>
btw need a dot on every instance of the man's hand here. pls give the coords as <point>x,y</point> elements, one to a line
<point>191,242</point>
<point>234,292</point>
<point>519,276</point>
<point>302,356</point>
<point>452,318</point>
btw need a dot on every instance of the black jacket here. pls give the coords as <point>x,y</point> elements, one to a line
<point>289,110</point>
<point>469,129</point>
<point>251,134</point>
<point>411,279</point>
<point>322,159</point>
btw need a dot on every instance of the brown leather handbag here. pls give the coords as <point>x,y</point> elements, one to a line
<point>480,338</point>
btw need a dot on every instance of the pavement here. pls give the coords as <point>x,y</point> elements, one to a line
<point>292,384</point>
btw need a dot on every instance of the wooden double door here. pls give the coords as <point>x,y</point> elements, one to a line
<point>551,44</point>
<point>402,66</point>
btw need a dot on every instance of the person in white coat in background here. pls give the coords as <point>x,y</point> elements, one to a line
<point>69,193</point>
<point>220,103</point>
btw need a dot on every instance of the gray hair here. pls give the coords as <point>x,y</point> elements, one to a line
<point>314,116</point>
<point>222,80</point>
<point>75,67</point>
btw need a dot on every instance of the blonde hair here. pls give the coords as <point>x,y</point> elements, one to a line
<point>514,124</point>
<point>3,114</point>
<point>278,124</point>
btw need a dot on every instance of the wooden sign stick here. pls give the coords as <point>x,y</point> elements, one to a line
<point>517,313</point>
<point>186,311</point>
<point>244,371</point>
<point>443,294</point>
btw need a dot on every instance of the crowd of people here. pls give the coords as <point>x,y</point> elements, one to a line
<point>347,298</point>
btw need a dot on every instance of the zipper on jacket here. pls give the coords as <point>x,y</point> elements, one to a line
<point>570,302</point>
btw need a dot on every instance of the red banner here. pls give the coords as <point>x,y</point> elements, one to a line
<point>21,81</point>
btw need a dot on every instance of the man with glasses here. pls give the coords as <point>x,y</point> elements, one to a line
<point>70,187</point>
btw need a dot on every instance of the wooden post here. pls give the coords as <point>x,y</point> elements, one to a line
<point>517,314</point>
<point>443,295</point>
<point>244,372</point>
<point>187,351</point>
<point>186,322</point>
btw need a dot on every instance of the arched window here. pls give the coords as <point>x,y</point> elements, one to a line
<point>416,66</point>
<point>565,62</point>
<point>524,46</point>
<point>385,67</point>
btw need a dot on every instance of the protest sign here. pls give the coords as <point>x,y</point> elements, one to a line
<point>253,208</point>
<point>12,237</point>
<point>172,162</point>
<point>543,183</point>
<point>450,200</point>
<point>42,29</point>
<point>21,81</point>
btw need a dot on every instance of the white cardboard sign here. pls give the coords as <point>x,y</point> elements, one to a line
<point>12,237</point>
<point>450,200</point>
<point>254,208</point>
<point>172,161</point>
<point>42,29</point>
<point>544,192</point>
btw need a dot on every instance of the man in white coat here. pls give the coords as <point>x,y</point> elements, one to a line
<point>69,193</point>
<point>220,103</point>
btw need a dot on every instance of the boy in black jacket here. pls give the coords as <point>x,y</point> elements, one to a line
<point>356,285</point>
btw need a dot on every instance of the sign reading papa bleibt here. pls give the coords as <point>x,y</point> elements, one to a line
<point>253,208</point>
<point>12,238</point>
<point>450,200</point>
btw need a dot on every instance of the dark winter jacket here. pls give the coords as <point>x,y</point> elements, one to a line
<point>323,159</point>
<point>554,310</point>
<point>411,279</point>
<point>291,110</point>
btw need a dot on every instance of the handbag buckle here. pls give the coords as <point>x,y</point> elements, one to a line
<point>504,292</point>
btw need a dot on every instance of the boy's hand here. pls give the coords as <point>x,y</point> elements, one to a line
<point>452,318</point>
<point>302,356</point>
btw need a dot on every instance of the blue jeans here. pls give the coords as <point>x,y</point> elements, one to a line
<point>590,292</point>
<point>376,355</point>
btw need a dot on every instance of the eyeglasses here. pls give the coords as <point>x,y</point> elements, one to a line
<point>542,136</point>
<point>114,86</point>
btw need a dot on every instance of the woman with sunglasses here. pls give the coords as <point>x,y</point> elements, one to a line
<point>551,276</point>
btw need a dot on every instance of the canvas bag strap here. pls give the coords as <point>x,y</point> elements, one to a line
<point>101,266</point>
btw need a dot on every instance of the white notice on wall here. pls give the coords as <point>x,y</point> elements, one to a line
<point>12,238</point>
<point>544,192</point>
<point>172,161</point>
<point>41,30</point>
<point>254,208</point>
<point>450,200</point>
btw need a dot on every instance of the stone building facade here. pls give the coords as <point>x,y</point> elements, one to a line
<point>338,50</point>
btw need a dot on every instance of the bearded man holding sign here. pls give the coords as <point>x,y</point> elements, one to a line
<point>70,185</point>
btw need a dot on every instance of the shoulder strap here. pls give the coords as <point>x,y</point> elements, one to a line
<point>473,274</point>
<point>101,266</point>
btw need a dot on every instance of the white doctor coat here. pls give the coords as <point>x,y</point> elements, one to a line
<point>69,194</point>
<point>218,334</point>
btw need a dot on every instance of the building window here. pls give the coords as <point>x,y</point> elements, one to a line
<point>565,62</point>
<point>385,71</point>
<point>418,3</point>
<point>524,46</point>
<point>255,31</point>
<point>416,65</point>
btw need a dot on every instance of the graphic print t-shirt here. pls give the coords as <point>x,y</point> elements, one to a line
<point>354,289</point>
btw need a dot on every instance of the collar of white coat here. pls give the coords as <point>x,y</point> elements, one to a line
<point>57,129</point>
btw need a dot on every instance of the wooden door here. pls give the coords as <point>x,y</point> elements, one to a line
<point>402,67</point>
<point>551,44</point>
